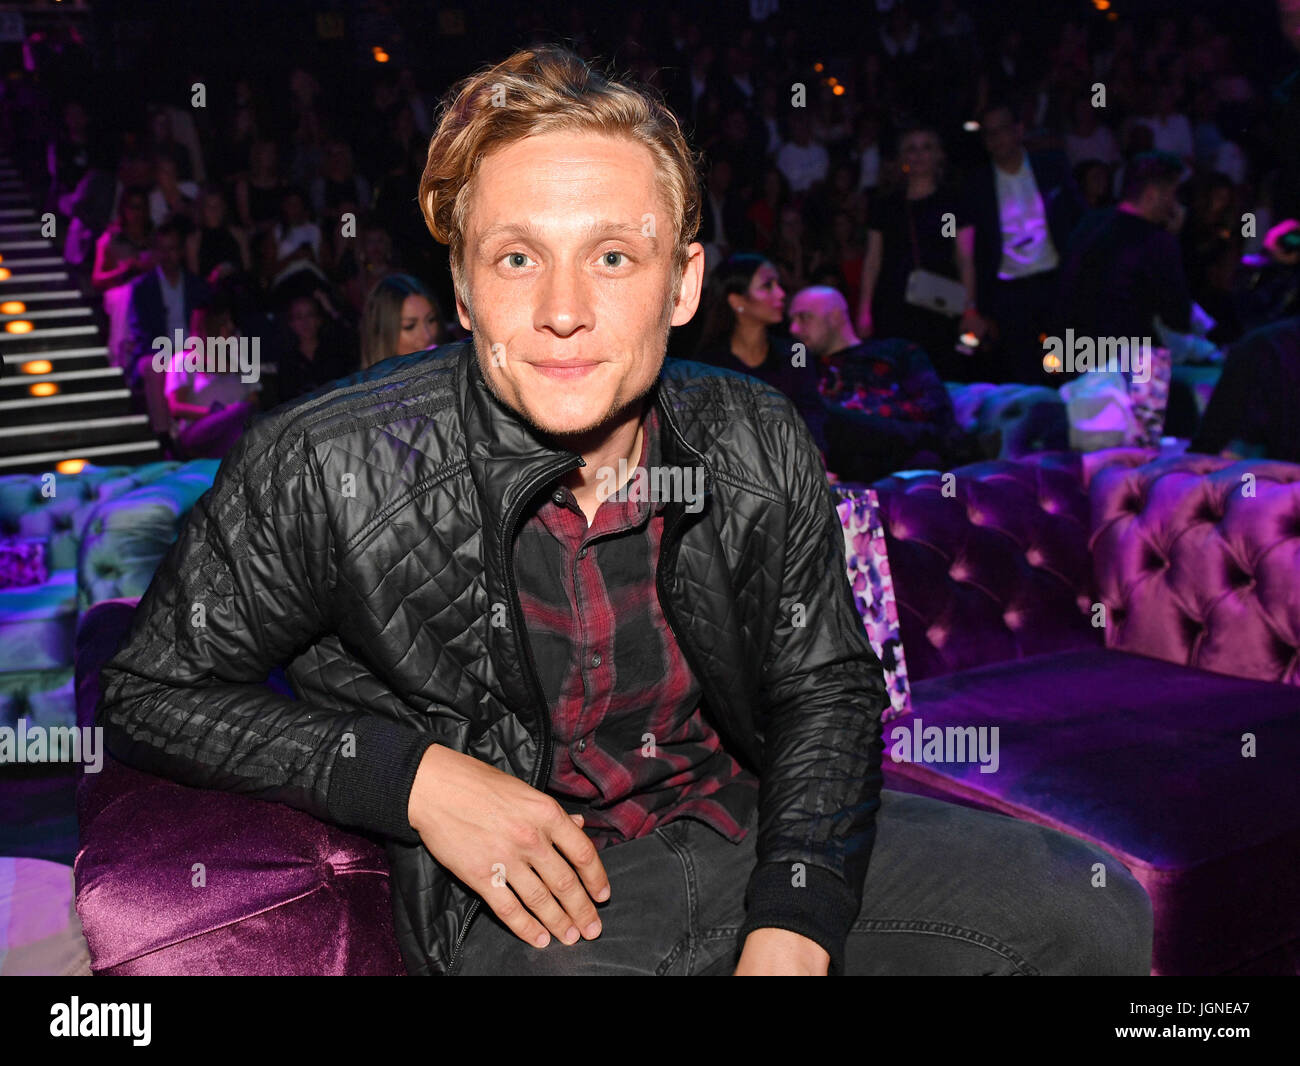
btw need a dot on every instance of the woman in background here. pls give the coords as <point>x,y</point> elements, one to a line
<point>744,306</point>
<point>401,316</point>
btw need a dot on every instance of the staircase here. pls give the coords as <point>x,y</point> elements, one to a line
<point>62,404</point>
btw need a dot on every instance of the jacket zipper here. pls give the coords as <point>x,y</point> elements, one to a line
<point>542,768</point>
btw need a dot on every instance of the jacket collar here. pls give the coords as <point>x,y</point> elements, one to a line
<point>509,462</point>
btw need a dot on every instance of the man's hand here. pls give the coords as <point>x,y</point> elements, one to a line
<point>973,322</point>
<point>497,833</point>
<point>781,953</point>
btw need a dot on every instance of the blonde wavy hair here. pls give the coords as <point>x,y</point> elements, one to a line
<point>545,90</point>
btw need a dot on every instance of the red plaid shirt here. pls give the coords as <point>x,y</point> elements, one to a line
<point>631,747</point>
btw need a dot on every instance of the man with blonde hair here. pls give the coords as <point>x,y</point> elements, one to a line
<point>601,733</point>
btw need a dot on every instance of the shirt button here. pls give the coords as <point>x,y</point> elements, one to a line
<point>582,744</point>
<point>595,659</point>
<point>582,553</point>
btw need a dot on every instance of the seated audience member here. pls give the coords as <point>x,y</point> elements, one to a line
<point>742,304</point>
<point>1092,176</point>
<point>215,250</point>
<point>163,300</point>
<point>210,407</point>
<point>401,316</point>
<point>297,238</point>
<point>1124,265</point>
<point>170,197</point>
<point>887,407</point>
<point>1255,407</point>
<point>319,351</point>
<point>363,264</point>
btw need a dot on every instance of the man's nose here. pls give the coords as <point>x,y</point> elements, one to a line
<point>564,303</point>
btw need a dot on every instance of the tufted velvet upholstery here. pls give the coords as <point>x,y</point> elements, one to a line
<point>284,893</point>
<point>1198,562</point>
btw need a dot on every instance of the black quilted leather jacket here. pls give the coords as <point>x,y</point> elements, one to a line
<point>361,538</point>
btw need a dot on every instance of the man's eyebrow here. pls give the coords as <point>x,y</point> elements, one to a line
<point>597,228</point>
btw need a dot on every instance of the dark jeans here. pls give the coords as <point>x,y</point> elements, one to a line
<point>1023,310</point>
<point>950,890</point>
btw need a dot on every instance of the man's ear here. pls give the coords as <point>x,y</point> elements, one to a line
<point>690,287</point>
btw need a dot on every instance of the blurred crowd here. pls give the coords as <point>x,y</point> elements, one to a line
<point>937,193</point>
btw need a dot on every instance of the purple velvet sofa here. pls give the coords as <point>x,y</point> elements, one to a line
<point>1127,734</point>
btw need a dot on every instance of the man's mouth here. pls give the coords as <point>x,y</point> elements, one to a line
<point>567,370</point>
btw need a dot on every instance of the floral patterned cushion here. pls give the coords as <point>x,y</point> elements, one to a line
<point>22,563</point>
<point>873,590</point>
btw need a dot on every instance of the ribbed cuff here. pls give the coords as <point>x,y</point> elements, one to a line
<point>816,904</point>
<point>372,788</point>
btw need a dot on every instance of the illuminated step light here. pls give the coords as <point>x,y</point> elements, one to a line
<point>37,366</point>
<point>380,55</point>
<point>20,325</point>
<point>5,275</point>
<point>70,466</point>
<point>1052,363</point>
<point>12,307</point>
<point>43,388</point>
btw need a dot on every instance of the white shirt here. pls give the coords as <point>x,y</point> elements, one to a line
<point>802,165</point>
<point>1026,241</point>
<point>158,209</point>
<point>205,389</point>
<point>287,242</point>
<point>173,298</point>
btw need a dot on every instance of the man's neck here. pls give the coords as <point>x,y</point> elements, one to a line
<point>848,339</point>
<point>1013,165</point>
<point>601,450</point>
<point>173,279</point>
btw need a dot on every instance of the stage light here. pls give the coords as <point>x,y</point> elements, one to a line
<point>838,90</point>
<point>970,125</point>
<point>12,307</point>
<point>819,66</point>
<point>20,325</point>
<point>43,388</point>
<point>37,366</point>
<point>380,55</point>
<point>70,466</point>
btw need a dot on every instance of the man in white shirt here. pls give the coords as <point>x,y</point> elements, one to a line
<point>1021,209</point>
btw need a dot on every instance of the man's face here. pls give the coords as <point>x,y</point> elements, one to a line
<point>810,323</point>
<point>1002,133</point>
<point>568,263</point>
<point>167,252</point>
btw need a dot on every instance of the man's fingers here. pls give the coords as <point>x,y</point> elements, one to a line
<point>534,894</point>
<point>517,918</point>
<point>577,847</point>
<point>567,887</point>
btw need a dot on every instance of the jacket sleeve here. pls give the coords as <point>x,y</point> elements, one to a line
<point>243,590</point>
<point>825,688</point>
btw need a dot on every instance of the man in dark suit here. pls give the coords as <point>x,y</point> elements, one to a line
<point>1021,209</point>
<point>162,300</point>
